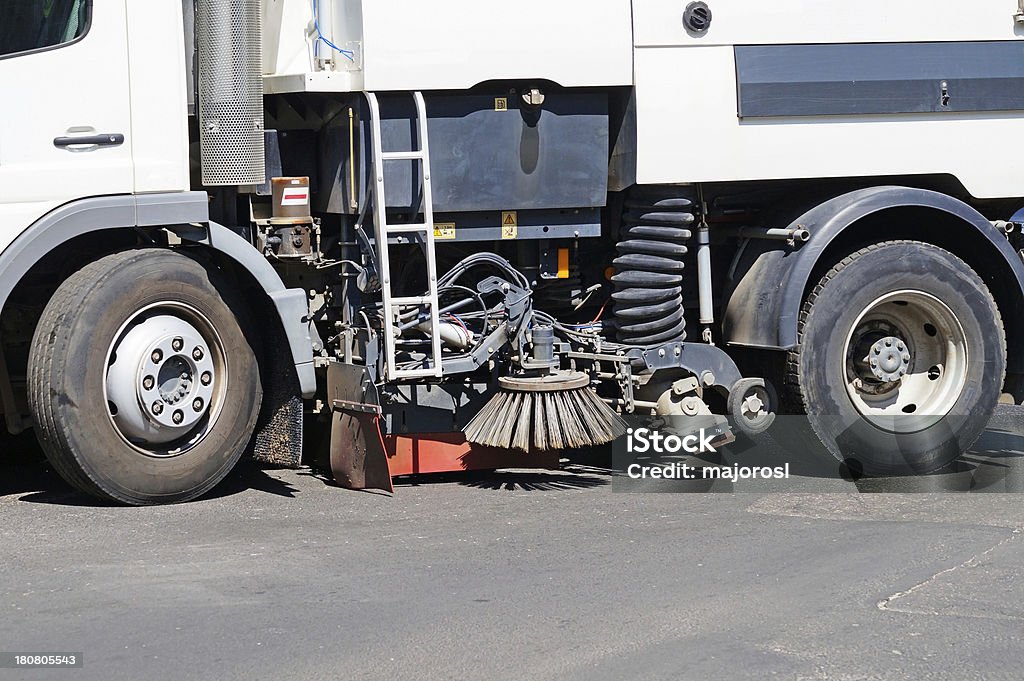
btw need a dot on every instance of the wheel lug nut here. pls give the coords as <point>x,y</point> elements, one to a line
<point>158,408</point>
<point>157,356</point>
<point>147,383</point>
<point>888,343</point>
<point>197,354</point>
<point>206,378</point>
<point>906,357</point>
<point>184,376</point>
<point>177,344</point>
<point>874,362</point>
<point>178,416</point>
<point>197,404</point>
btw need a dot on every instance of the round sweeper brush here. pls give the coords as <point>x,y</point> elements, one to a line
<point>550,412</point>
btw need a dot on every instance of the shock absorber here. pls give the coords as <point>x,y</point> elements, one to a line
<point>648,297</point>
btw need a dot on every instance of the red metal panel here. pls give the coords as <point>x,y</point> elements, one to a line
<point>448,452</point>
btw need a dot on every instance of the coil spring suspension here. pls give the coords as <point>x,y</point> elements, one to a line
<point>648,297</point>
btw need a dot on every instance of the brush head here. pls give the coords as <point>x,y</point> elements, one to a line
<point>559,381</point>
<point>553,412</point>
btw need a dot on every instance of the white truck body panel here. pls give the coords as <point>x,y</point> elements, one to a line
<point>407,45</point>
<point>127,75</point>
<point>159,106</point>
<point>657,23</point>
<point>688,129</point>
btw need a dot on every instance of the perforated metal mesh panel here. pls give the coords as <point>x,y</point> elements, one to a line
<point>230,91</point>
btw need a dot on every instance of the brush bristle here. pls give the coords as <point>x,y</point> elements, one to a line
<point>547,420</point>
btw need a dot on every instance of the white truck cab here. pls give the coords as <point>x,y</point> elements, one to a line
<point>96,105</point>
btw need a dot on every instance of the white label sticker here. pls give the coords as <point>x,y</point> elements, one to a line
<point>295,196</point>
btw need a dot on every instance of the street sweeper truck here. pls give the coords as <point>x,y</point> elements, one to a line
<point>426,236</point>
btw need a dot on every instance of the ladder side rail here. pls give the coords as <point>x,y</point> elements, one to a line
<point>380,227</point>
<point>428,220</point>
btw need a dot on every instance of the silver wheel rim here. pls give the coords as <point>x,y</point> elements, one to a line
<point>166,373</point>
<point>905,361</point>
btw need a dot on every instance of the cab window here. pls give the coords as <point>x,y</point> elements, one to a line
<point>30,25</point>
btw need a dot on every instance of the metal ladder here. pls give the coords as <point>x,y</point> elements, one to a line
<point>382,231</point>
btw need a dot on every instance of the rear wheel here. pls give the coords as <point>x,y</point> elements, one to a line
<point>901,359</point>
<point>142,384</point>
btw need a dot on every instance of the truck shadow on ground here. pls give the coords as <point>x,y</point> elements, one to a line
<point>533,481</point>
<point>581,469</point>
<point>512,479</point>
<point>29,478</point>
<point>994,464</point>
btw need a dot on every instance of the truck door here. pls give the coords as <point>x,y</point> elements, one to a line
<point>64,108</point>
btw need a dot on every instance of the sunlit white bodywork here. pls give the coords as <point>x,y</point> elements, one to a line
<point>127,75</point>
<point>404,45</point>
<point>687,126</point>
<point>687,123</point>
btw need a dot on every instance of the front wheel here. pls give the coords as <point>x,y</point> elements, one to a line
<point>901,359</point>
<point>142,384</point>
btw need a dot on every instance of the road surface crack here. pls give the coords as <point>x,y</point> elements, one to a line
<point>974,561</point>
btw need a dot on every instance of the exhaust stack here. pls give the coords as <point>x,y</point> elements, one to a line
<point>229,42</point>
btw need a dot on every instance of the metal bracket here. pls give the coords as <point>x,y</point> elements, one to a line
<point>348,405</point>
<point>517,303</point>
<point>547,251</point>
<point>712,366</point>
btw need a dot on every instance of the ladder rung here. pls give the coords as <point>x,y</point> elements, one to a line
<point>405,229</point>
<point>402,155</point>
<point>415,373</point>
<point>413,300</point>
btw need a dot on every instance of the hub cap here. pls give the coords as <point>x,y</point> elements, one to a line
<point>905,361</point>
<point>165,373</point>
<point>889,359</point>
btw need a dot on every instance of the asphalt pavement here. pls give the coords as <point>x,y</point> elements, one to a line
<point>515,575</point>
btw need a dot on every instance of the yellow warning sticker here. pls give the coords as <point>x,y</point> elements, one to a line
<point>509,224</point>
<point>501,104</point>
<point>444,230</point>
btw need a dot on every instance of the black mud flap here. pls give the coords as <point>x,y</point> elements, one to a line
<point>358,459</point>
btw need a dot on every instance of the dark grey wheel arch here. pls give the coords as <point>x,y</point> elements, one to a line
<point>185,213</point>
<point>764,304</point>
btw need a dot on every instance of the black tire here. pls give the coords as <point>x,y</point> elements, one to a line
<point>68,367</point>
<point>817,376</point>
